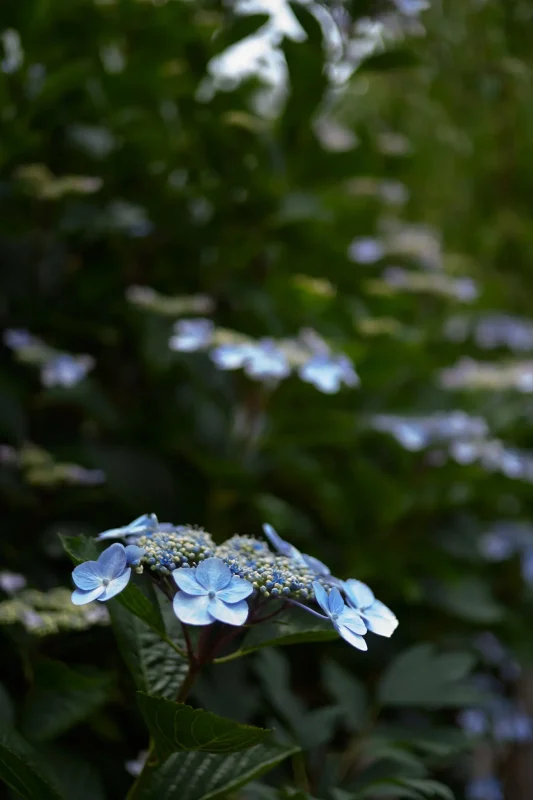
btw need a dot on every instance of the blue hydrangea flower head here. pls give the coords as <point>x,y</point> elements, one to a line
<point>211,592</point>
<point>378,618</point>
<point>65,370</point>
<point>346,621</point>
<point>266,361</point>
<point>101,579</point>
<point>142,526</point>
<point>328,373</point>
<point>231,356</point>
<point>191,335</point>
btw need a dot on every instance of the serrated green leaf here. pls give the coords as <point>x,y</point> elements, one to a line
<point>177,727</point>
<point>155,666</point>
<point>82,548</point>
<point>204,776</point>
<point>60,698</point>
<point>422,677</point>
<point>294,626</point>
<point>23,770</point>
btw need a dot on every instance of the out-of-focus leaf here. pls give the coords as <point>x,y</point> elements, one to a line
<point>23,770</point>
<point>422,677</point>
<point>61,697</point>
<point>389,60</point>
<point>349,692</point>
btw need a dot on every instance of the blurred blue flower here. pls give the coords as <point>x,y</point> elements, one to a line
<point>366,250</point>
<point>473,721</point>
<point>377,616</point>
<point>327,372</point>
<point>142,526</point>
<point>211,592</point>
<point>231,356</point>
<point>65,370</point>
<point>11,582</point>
<point>346,621</point>
<point>514,725</point>
<point>526,565</point>
<point>191,334</point>
<point>18,339</point>
<point>486,788</point>
<point>265,361</point>
<point>101,579</point>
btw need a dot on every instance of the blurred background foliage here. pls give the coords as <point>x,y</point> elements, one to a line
<point>361,170</point>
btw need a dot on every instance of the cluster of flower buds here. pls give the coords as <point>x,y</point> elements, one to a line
<point>222,583</point>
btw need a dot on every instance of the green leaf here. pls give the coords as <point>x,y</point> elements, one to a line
<point>23,770</point>
<point>82,548</point>
<point>155,666</point>
<point>391,59</point>
<point>204,776</point>
<point>422,677</point>
<point>61,698</point>
<point>177,727</point>
<point>76,778</point>
<point>294,626</point>
<point>7,709</point>
<point>405,789</point>
<point>471,599</point>
<point>349,693</point>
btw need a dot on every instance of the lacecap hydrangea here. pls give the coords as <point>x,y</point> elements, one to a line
<point>239,583</point>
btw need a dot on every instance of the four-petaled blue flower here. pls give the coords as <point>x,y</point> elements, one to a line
<point>191,334</point>
<point>346,621</point>
<point>65,370</point>
<point>211,592</point>
<point>106,577</point>
<point>378,618</point>
<point>328,373</point>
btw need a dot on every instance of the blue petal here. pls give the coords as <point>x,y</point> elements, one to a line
<point>321,597</point>
<point>144,521</point>
<point>382,626</point>
<point>317,566</point>
<point>192,610</point>
<point>133,554</point>
<point>359,595</point>
<point>87,576</point>
<point>213,574</point>
<point>112,533</point>
<point>281,545</point>
<point>80,598</point>
<point>380,608</point>
<point>117,585</point>
<point>186,580</point>
<point>230,356</point>
<point>232,613</point>
<point>352,638</point>
<point>335,602</point>
<point>112,562</point>
<point>351,619</point>
<point>239,589</point>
